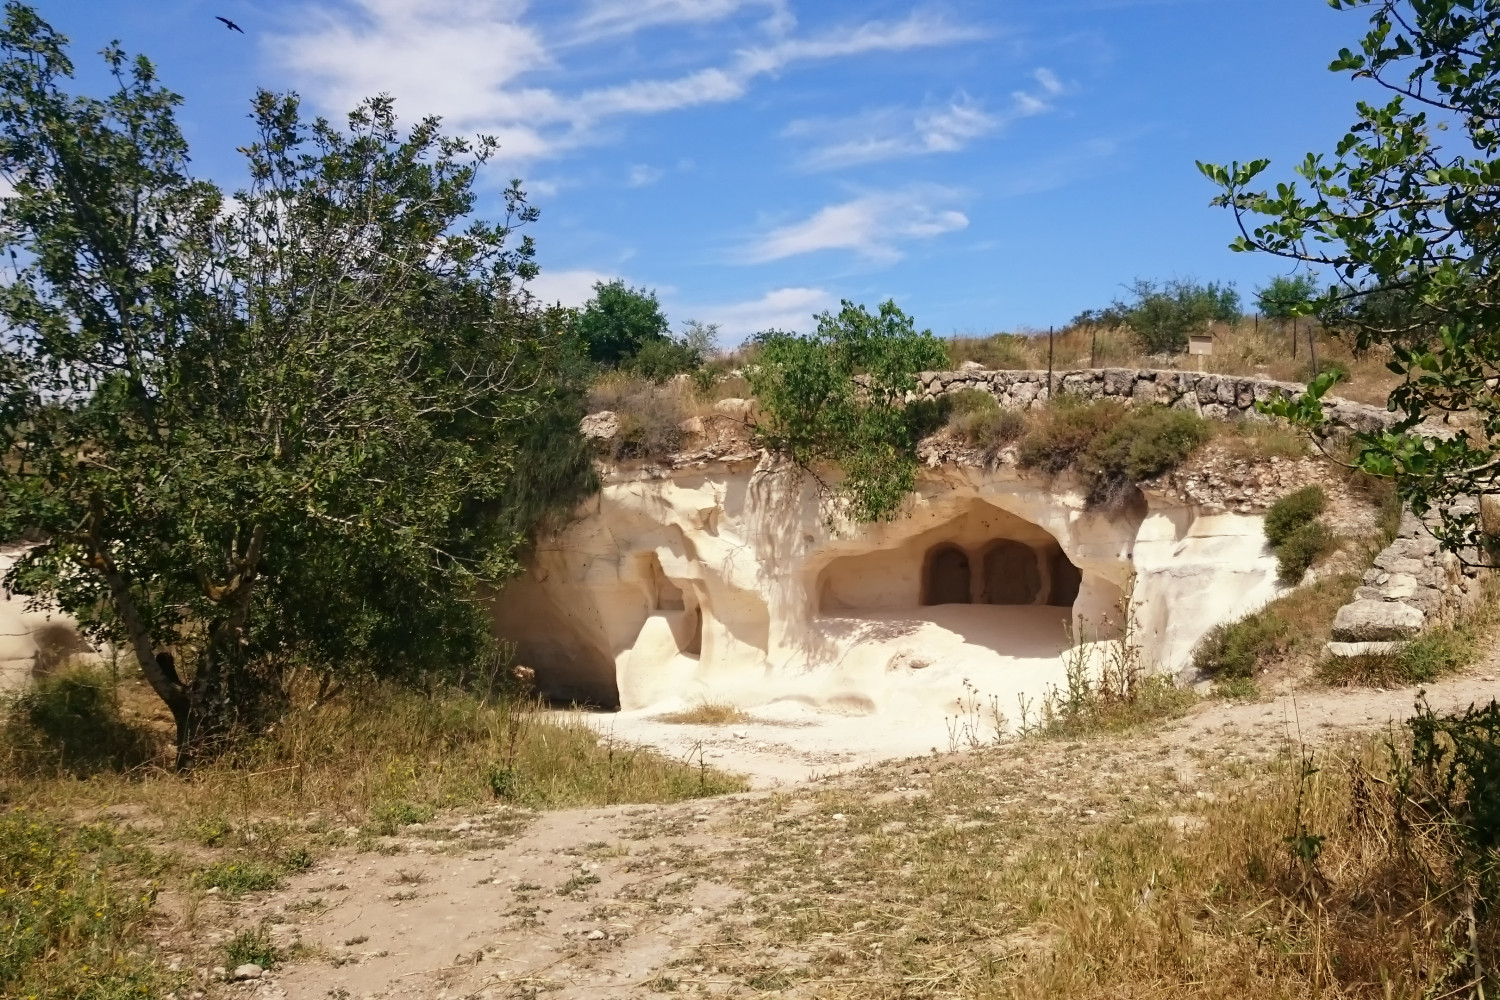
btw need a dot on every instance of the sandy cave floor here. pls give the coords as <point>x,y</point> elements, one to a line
<point>604,902</point>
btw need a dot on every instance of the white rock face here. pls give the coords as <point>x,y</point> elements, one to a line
<point>725,584</point>
<point>35,642</point>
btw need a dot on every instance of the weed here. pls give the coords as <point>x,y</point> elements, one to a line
<point>356,940</point>
<point>706,714</point>
<point>577,883</point>
<point>235,878</point>
<point>252,946</point>
<point>74,909</point>
<point>1231,650</point>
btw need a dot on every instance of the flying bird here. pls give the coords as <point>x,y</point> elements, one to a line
<point>229,24</point>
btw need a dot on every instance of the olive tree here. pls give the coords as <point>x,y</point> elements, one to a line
<point>304,423</point>
<point>1403,212</point>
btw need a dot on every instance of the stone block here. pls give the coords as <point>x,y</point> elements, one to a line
<point>1376,621</point>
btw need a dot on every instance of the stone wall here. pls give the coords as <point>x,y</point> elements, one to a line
<point>1412,585</point>
<point>1218,396</point>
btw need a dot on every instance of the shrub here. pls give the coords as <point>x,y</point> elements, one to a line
<point>1149,441</point>
<point>1293,511</point>
<point>70,723</point>
<point>1000,352</point>
<point>651,415</point>
<point>1296,534</point>
<point>977,419</point>
<point>659,360</point>
<point>1300,549</point>
<point>1110,445</point>
<point>1231,650</point>
<point>1065,431</point>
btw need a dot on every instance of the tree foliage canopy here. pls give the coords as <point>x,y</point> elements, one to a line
<point>838,397</point>
<point>1164,314</point>
<point>619,321</point>
<point>300,425</point>
<point>1408,226</point>
<point>1286,296</point>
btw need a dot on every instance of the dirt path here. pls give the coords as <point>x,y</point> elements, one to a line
<point>629,900</point>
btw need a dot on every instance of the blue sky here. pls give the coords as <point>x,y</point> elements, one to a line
<point>990,165</point>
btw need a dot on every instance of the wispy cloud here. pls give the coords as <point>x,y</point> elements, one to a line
<point>890,133</point>
<point>620,17</point>
<point>644,175</point>
<point>468,60</point>
<point>790,309</point>
<point>871,225</point>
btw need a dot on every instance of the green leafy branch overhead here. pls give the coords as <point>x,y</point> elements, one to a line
<point>1403,215</point>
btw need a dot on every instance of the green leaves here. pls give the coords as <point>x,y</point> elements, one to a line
<point>838,398</point>
<point>1408,228</point>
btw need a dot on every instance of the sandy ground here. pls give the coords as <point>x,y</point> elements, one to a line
<point>596,903</point>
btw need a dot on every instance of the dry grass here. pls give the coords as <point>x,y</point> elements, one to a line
<point>1095,869</point>
<point>706,713</point>
<point>374,752</point>
<point>1250,347</point>
<point>364,771</point>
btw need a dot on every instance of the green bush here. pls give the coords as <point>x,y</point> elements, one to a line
<point>1231,650</point>
<point>1296,534</point>
<point>1299,550</point>
<point>659,360</point>
<point>975,418</point>
<point>70,723</point>
<point>1293,511</point>
<point>1112,446</point>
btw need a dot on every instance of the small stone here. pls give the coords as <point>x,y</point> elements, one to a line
<point>248,971</point>
<point>740,734</point>
<point>220,971</point>
<point>595,935</point>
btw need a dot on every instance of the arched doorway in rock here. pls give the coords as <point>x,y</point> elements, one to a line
<point>946,579</point>
<point>1011,573</point>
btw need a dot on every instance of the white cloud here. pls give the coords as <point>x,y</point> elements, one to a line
<point>571,288</point>
<point>644,175</point>
<point>467,60</point>
<point>790,309</point>
<point>870,225</point>
<point>888,133</point>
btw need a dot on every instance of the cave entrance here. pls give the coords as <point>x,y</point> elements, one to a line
<point>947,577</point>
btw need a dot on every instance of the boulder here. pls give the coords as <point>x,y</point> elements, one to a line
<point>1376,621</point>
<point>601,426</point>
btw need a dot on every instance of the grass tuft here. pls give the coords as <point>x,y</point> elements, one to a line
<point>706,714</point>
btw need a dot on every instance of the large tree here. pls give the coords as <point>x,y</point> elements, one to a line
<point>302,424</point>
<point>1405,212</point>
